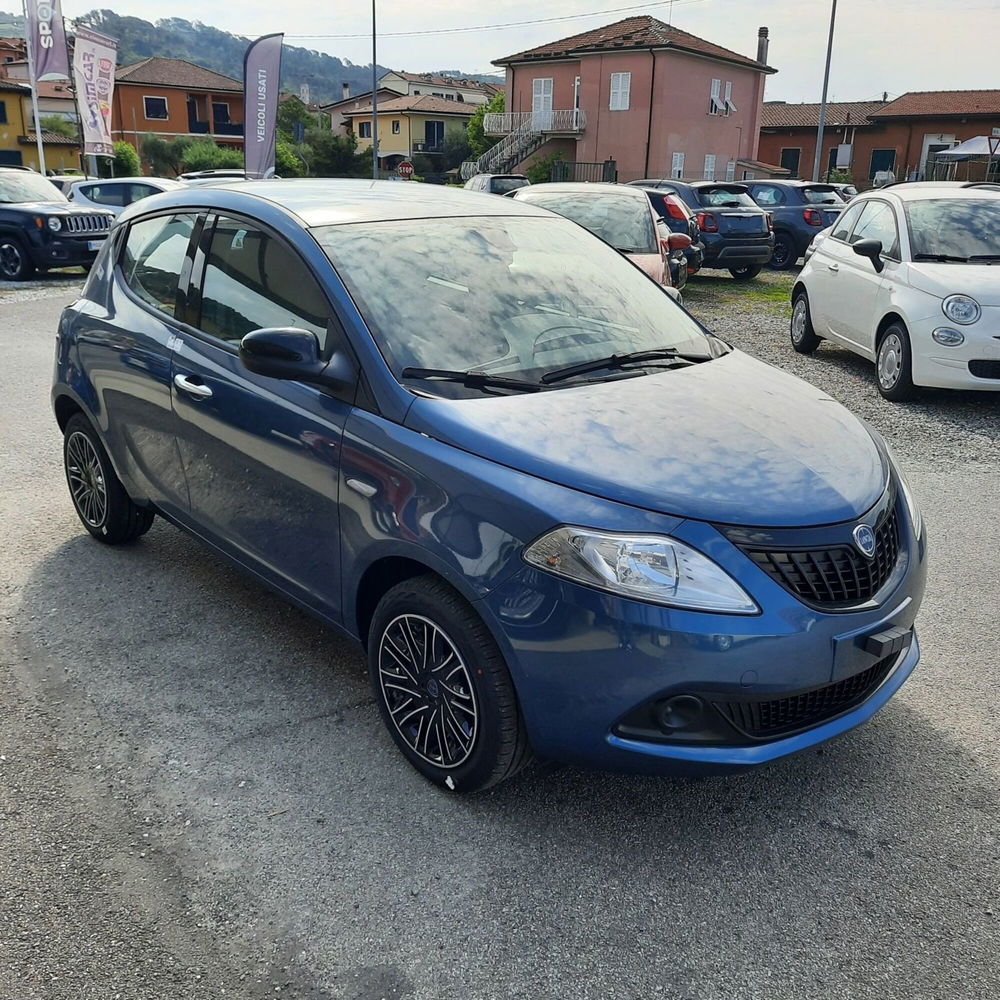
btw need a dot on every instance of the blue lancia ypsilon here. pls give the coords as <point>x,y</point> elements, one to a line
<point>561,517</point>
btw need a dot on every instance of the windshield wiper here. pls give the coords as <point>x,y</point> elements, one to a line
<point>621,360</point>
<point>472,379</point>
<point>942,258</point>
<point>986,257</point>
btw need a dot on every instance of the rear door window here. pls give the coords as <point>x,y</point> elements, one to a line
<point>253,280</point>
<point>725,197</point>
<point>153,258</point>
<point>105,194</point>
<point>767,196</point>
<point>821,195</point>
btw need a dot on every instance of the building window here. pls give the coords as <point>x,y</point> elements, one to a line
<point>709,167</point>
<point>677,166</point>
<point>3,112</point>
<point>434,93</point>
<point>715,100</point>
<point>395,126</point>
<point>155,108</point>
<point>790,161</point>
<point>220,113</point>
<point>731,170</point>
<point>449,97</point>
<point>621,84</point>
<point>882,159</point>
<point>364,130</point>
<point>727,100</point>
<point>416,91</point>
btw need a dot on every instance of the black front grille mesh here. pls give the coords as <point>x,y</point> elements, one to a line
<point>762,719</point>
<point>985,369</point>
<point>835,576</point>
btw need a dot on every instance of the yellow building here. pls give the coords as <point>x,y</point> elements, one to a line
<point>409,126</point>
<point>18,147</point>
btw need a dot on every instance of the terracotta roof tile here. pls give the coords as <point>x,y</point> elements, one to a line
<point>157,72</point>
<point>420,103</point>
<point>943,103</point>
<point>50,139</point>
<point>641,32</point>
<point>446,81</point>
<point>16,88</point>
<point>778,114</point>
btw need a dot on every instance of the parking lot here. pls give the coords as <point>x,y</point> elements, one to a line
<point>198,799</point>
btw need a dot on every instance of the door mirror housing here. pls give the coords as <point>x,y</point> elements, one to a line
<point>678,241</point>
<point>873,250</point>
<point>294,354</point>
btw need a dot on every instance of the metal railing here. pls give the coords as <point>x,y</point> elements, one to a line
<point>572,120</point>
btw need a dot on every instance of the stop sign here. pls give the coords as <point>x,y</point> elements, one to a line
<point>405,169</point>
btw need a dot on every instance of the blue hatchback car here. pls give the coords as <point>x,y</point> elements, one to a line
<point>560,516</point>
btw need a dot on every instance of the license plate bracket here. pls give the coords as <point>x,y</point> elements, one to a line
<point>95,244</point>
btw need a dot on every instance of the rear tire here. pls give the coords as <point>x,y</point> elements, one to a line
<point>443,689</point>
<point>101,503</point>
<point>804,339</point>
<point>894,366</point>
<point>747,272</point>
<point>784,255</point>
<point>15,264</point>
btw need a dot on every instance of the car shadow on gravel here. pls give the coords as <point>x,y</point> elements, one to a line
<point>245,733</point>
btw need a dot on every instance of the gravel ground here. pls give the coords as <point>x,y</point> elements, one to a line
<point>69,281</point>
<point>198,800</point>
<point>947,428</point>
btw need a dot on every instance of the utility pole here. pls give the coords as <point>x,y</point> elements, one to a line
<point>826,83</point>
<point>374,102</point>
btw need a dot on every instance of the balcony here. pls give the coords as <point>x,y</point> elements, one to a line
<point>227,128</point>
<point>196,127</point>
<point>567,122</point>
<point>428,147</point>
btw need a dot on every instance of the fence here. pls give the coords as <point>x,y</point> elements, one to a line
<point>595,173</point>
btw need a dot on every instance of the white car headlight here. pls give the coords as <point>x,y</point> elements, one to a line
<point>651,568</point>
<point>961,309</point>
<point>54,224</point>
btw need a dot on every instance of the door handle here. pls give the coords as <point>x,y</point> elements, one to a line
<point>833,267</point>
<point>195,389</point>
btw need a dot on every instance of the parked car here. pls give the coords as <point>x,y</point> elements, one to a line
<point>40,229</point>
<point>558,514</point>
<point>496,183</point>
<point>618,214</point>
<point>679,219</point>
<point>118,193</point>
<point>846,191</point>
<point>799,210</point>
<point>230,173</point>
<point>908,278</point>
<point>735,233</point>
<point>64,182</point>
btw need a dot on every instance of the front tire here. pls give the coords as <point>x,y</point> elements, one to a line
<point>894,365</point>
<point>803,337</point>
<point>784,255</point>
<point>747,272</point>
<point>443,689</point>
<point>15,264</point>
<point>101,503</point>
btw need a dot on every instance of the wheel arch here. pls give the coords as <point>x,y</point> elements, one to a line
<point>888,320</point>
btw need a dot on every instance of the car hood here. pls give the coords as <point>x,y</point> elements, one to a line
<point>53,207</point>
<point>981,281</point>
<point>731,440</point>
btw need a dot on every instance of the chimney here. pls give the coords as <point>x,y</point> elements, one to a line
<point>346,90</point>
<point>762,44</point>
<point>885,96</point>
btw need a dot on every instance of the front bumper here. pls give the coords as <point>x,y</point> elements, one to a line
<point>583,661</point>
<point>62,251</point>
<point>948,367</point>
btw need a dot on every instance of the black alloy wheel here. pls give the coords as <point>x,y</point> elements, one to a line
<point>15,264</point>
<point>784,255</point>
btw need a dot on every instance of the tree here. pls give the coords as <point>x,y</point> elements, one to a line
<point>336,155</point>
<point>479,141</point>
<point>126,161</point>
<point>287,162</point>
<point>540,169</point>
<point>59,125</point>
<point>456,149</point>
<point>164,156</point>
<point>292,112</point>
<point>204,154</point>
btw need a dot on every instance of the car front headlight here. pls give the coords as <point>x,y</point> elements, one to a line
<point>651,568</point>
<point>54,223</point>
<point>961,309</point>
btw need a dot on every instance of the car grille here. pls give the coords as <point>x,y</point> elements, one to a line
<point>86,223</point>
<point>985,369</point>
<point>838,576</point>
<point>773,717</point>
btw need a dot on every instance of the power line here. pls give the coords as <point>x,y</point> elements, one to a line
<point>507,24</point>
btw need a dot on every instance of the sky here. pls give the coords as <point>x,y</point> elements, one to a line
<point>880,45</point>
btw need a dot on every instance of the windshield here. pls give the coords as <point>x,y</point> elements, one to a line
<point>621,220</point>
<point>725,197</point>
<point>954,227</point>
<point>821,196</point>
<point>509,295</point>
<point>501,185</point>
<point>18,186</point>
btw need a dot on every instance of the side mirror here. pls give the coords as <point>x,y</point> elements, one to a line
<point>873,250</point>
<point>290,353</point>
<point>678,241</point>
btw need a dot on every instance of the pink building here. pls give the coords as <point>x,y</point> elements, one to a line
<point>656,100</point>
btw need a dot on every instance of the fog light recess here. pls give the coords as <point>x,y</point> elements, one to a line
<point>682,711</point>
<point>947,337</point>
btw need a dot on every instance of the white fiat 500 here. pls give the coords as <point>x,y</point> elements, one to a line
<point>909,277</point>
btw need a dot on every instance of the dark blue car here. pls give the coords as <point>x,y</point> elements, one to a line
<point>559,515</point>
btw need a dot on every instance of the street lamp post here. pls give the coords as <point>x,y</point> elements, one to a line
<point>826,83</point>
<point>374,102</point>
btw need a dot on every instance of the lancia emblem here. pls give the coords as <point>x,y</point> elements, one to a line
<point>864,539</point>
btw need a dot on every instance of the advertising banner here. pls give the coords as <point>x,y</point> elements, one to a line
<point>46,39</point>
<point>94,60</point>
<point>261,85</point>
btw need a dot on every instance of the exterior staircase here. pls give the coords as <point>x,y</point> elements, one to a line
<point>522,135</point>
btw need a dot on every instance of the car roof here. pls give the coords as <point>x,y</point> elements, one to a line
<point>790,182</point>
<point>931,191</point>
<point>130,180</point>
<point>336,201</point>
<point>578,187</point>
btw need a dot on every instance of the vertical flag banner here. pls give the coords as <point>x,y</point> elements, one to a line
<point>261,85</point>
<point>47,39</point>
<point>94,60</point>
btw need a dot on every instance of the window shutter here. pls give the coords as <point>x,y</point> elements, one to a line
<point>731,170</point>
<point>709,167</point>
<point>728,100</point>
<point>715,101</point>
<point>624,89</point>
<point>677,166</point>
